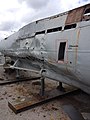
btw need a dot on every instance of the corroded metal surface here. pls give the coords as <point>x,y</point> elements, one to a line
<point>75,15</point>
<point>56,47</point>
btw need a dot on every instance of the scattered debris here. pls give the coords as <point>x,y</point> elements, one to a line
<point>36,83</point>
<point>49,111</point>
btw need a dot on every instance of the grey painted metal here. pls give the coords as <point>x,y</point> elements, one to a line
<point>73,113</point>
<point>42,86</point>
<point>36,47</point>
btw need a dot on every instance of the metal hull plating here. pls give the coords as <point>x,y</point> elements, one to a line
<point>57,47</point>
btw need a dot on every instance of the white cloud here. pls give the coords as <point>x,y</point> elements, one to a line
<point>35,4</point>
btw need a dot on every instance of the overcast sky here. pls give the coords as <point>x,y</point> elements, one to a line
<point>16,13</point>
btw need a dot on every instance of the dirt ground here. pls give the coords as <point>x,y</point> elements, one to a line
<point>50,111</point>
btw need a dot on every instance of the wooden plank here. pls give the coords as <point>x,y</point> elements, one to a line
<point>5,82</point>
<point>23,104</point>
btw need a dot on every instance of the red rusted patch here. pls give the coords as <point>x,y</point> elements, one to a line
<point>74,15</point>
<point>77,15</point>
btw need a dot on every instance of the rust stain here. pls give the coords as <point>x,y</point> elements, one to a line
<point>74,16</point>
<point>24,104</point>
<point>77,43</point>
<point>77,15</point>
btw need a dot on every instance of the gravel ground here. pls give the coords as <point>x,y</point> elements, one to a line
<point>49,111</point>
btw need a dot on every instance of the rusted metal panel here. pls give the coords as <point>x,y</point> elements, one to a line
<point>74,15</point>
<point>86,15</point>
